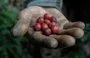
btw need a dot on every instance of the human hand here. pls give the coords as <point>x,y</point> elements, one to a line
<point>70,31</point>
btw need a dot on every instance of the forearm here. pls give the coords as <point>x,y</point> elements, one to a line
<point>47,3</point>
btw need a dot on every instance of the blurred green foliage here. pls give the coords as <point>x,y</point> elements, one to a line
<point>3,2</point>
<point>10,46</point>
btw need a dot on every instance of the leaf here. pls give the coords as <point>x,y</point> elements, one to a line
<point>2,2</point>
<point>10,46</point>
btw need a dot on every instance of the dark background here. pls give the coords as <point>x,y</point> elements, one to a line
<point>77,10</point>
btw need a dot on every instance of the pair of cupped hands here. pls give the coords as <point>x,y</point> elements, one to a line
<point>69,31</point>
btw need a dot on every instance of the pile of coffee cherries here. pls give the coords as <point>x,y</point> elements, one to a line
<point>47,24</point>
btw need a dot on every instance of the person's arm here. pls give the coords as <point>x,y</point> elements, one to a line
<point>46,3</point>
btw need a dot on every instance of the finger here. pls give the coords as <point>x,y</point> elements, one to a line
<point>45,40</point>
<point>74,24</point>
<point>75,32</point>
<point>65,40</point>
<point>25,18</point>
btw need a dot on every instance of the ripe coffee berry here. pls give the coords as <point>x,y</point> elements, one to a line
<point>40,20</point>
<point>53,19</point>
<point>47,21</point>
<point>55,29</point>
<point>47,31</point>
<point>47,16</point>
<point>37,27</point>
<point>52,24</point>
<point>44,26</point>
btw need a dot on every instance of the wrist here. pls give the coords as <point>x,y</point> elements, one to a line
<point>47,3</point>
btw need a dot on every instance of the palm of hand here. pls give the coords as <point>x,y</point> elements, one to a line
<point>70,31</point>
